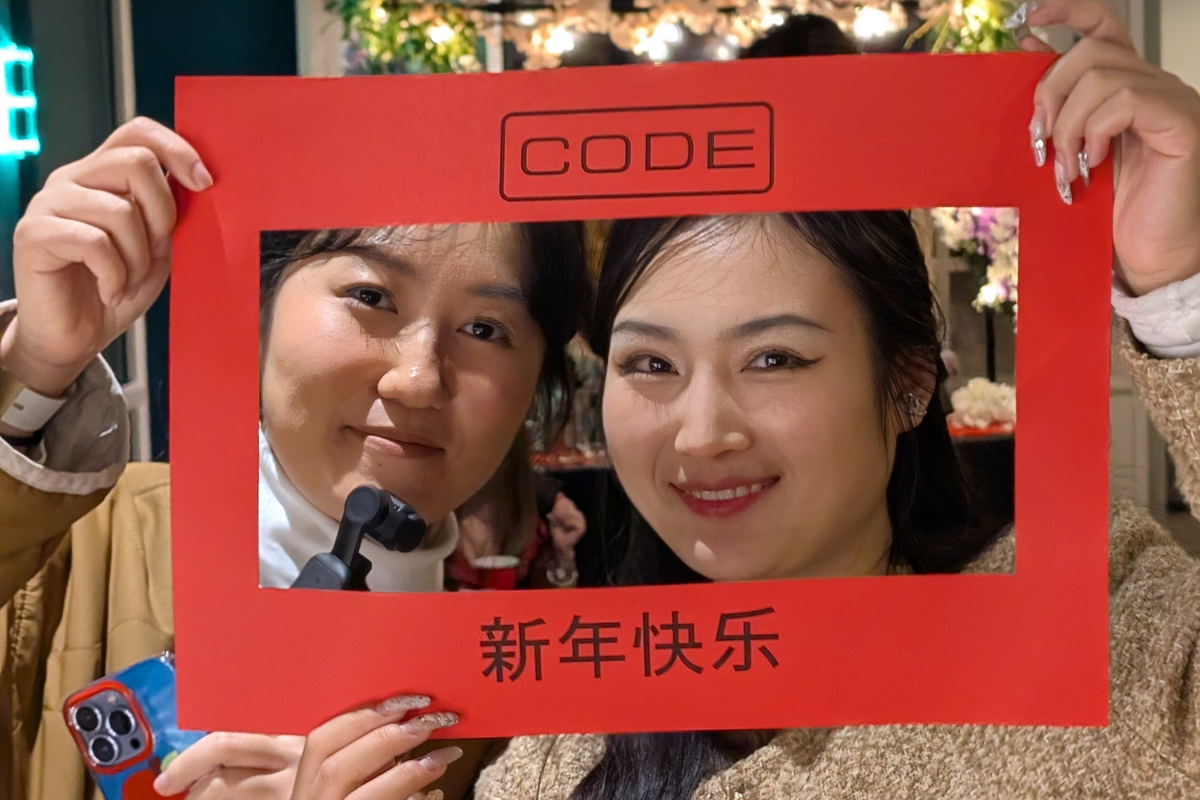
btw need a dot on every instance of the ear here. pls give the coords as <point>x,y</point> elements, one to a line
<point>918,381</point>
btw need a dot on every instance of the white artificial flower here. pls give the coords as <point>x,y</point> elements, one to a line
<point>982,403</point>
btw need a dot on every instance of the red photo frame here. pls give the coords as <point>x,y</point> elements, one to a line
<point>818,133</point>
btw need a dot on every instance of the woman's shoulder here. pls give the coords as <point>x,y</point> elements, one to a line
<point>1154,640</point>
<point>542,767</point>
<point>1139,548</point>
<point>144,477</point>
<point>1154,633</point>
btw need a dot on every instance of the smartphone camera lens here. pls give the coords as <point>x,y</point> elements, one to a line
<point>121,722</point>
<point>87,719</point>
<point>104,750</point>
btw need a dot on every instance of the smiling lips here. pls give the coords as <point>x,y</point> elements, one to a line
<point>722,501</point>
<point>398,444</point>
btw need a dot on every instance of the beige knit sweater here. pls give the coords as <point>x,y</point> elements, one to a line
<point>1151,748</point>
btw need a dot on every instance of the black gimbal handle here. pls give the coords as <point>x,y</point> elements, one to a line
<point>371,512</point>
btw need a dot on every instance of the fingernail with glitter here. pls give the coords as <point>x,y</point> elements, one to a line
<point>1085,169</point>
<point>1037,136</point>
<point>402,703</point>
<point>1019,17</point>
<point>1064,185</point>
<point>430,722</point>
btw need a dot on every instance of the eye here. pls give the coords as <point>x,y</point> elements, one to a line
<point>778,359</point>
<point>371,296</point>
<point>646,365</point>
<point>486,330</point>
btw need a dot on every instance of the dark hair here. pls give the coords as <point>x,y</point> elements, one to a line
<point>879,258</point>
<point>802,35</point>
<point>554,279</point>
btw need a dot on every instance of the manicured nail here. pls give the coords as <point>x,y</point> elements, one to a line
<point>1019,17</point>
<point>440,758</point>
<point>1085,169</point>
<point>401,703</point>
<point>436,794</point>
<point>1037,136</point>
<point>431,722</point>
<point>202,176</point>
<point>1064,185</point>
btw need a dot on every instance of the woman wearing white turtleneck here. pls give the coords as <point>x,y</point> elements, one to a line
<point>401,358</point>
<point>291,531</point>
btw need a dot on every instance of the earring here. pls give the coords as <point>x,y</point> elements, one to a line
<point>912,404</point>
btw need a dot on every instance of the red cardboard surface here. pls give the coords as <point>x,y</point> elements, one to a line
<point>793,134</point>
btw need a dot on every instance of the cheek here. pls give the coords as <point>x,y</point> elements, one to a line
<point>493,400</point>
<point>829,433</point>
<point>313,360</point>
<point>635,432</point>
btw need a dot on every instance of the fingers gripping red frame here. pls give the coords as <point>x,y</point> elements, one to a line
<point>815,133</point>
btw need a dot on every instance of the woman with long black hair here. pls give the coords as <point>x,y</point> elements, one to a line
<point>771,409</point>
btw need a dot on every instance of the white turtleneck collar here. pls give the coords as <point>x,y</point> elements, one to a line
<point>291,531</point>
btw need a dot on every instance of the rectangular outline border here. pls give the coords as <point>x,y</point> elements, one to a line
<point>770,141</point>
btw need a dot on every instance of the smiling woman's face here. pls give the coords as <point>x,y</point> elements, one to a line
<point>740,408</point>
<point>409,365</point>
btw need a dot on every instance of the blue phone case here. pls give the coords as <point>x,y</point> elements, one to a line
<point>142,747</point>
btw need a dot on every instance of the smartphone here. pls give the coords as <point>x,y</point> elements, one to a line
<point>124,726</point>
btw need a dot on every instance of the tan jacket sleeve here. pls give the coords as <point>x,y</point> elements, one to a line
<point>84,451</point>
<point>1170,390</point>
<point>1154,585</point>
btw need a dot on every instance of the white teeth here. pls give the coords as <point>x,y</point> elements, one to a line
<point>727,494</point>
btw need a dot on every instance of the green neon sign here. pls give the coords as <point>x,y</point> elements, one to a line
<point>18,103</point>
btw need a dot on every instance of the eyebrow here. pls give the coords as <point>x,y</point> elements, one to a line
<point>383,258</point>
<point>647,329</point>
<point>764,324</point>
<point>500,291</point>
<point>492,291</point>
<point>743,331</point>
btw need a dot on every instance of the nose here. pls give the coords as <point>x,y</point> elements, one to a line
<point>710,422</point>
<point>417,376</point>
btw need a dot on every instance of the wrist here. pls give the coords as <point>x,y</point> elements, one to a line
<point>564,556</point>
<point>1140,283</point>
<point>48,380</point>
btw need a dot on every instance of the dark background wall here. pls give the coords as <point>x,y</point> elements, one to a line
<point>198,37</point>
<point>74,80</point>
<point>72,76</point>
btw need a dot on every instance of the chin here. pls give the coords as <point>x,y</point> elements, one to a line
<point>720,568</point>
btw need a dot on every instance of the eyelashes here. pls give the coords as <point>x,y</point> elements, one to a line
<point>781,359</point>
<point>488,330</point>
<point>764,361</point>
<point>482,329</point>
<point>371,297</point>
<point>645,364</point>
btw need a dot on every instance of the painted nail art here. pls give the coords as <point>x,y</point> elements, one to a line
<point>429,722</point>
<point>403,702</point>
<point>1085,169</point>
<point>1037,137</point>
<point>436,794</point>
<point>440,758</point>
<point>1064,185</point>
<point>1019,16</point>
